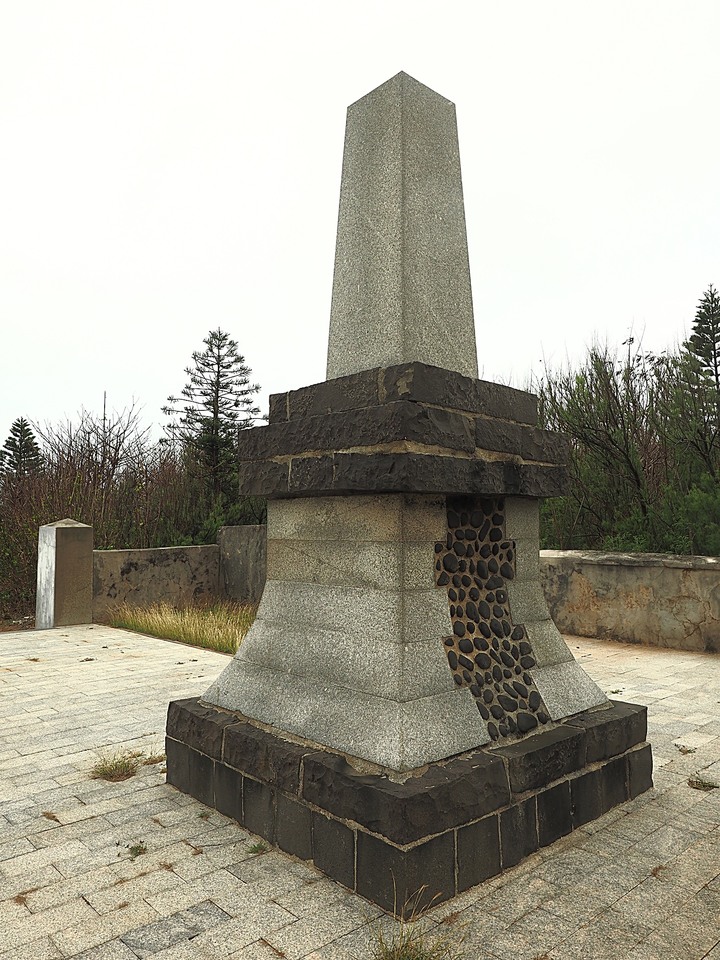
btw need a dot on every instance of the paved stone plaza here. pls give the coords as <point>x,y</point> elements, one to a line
<point>641,883</point>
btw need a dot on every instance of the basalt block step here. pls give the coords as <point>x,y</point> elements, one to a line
<point>444,827</point>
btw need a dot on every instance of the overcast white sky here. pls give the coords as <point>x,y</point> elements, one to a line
<point>170,167</point>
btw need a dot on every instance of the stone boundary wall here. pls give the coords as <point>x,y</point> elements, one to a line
<point>657,599</point>
<point>177,575</point>
<point>234,567</point>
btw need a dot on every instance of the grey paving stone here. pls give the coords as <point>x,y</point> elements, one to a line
<point>184,925</point>
<point>97,930</point>
<point>111,950</point>
<point>40,949</point>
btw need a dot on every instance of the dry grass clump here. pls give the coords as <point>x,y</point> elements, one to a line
<point>120,766</point>
<point>411,940</point>
<point>219,626</point>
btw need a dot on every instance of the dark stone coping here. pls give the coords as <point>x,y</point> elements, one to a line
<point>401,421</point>
<point>453,825</point>
<point>416,382</point>
<point>350,473</point>
<point>410,428</point>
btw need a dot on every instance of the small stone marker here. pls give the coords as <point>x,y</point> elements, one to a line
<point>404,711</point>
<point>64,574</point>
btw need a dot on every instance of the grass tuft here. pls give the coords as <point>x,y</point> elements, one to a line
<point>410,940</point>
<point>258,848</point>
<point>121,766</point>
<point>219,626</point>
<point>153,759</point>
<point>134,850</point>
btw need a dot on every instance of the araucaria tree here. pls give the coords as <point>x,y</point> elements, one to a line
<point>213,406</point>
<point>704,344</point>
<point>20,455</point>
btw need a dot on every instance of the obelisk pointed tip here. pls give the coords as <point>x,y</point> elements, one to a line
<point>405,84</point>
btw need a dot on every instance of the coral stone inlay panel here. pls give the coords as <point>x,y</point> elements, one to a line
<point>488,652</point>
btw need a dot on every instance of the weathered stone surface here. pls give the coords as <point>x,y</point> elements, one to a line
<point>393,422</point>
<point>640,767</point>
<point>358,564</point>
<point>294,827</point>
<point>518,832</point>
<point>597,791</point>
<point>352,473</point>
<point>567,689</point>
<point>178,765</point>
<point>377,667</point>
<point>522,519</point>
<point>554,813</point>
<point>406,881</point>
<point>415,832</point>
<point>419,383</point>
<point>611,730</point>
<point>424,383</point>
<point>354,392</point>
<point>527,442</point>
<point>176,575</point>
<point>401,287</point>
<point>353,520</point>
<point>263,478</point>
<point>260,808</point>
<point>443,797</point>
<point>405,735</point>
<point>637,598</point>
<point>311,473</point>
<point>243,561</point>
<point>527,602</point>
<point>199,726</point>
<point>543,757</point>
<point>548,645</point>
<point>278,408</point>
<point>478,852</point>
<point>334,849</point>
<point>229,792</point>
<point>263,755</point>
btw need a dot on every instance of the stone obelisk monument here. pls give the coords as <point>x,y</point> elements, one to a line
<point>404,711</point>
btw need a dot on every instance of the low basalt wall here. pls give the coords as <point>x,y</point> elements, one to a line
<point>234,567</point>
<point>651,598</point>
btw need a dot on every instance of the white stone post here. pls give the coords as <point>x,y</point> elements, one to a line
<point>64,574</point>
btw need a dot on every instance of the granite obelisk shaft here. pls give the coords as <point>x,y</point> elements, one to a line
<point>401,288</point>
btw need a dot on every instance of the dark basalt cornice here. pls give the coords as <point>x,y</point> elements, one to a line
<point>408,428</point>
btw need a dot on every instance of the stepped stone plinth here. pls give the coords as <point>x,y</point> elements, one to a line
<point>404,711</point>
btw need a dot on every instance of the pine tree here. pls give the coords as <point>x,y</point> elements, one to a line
<point>213,406</point>
<point>704,344</point>
<point>20,455</point>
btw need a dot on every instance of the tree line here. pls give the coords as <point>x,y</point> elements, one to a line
<point>106,471</point>
<point>645,440</point>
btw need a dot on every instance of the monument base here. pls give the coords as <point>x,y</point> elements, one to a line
<point>440,830</point>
